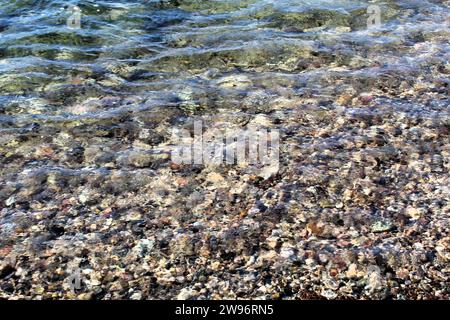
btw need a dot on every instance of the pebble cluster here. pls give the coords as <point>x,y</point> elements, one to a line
<point>357,209</point>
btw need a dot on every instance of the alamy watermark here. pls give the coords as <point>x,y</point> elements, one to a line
<point>75,281</point>
<point>374,19</point>
<point>251,147</point>
<point>74,20</point>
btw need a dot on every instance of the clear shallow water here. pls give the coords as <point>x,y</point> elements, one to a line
<point>85,128</point>
<point>133,59</point>
<point>150,52</point>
